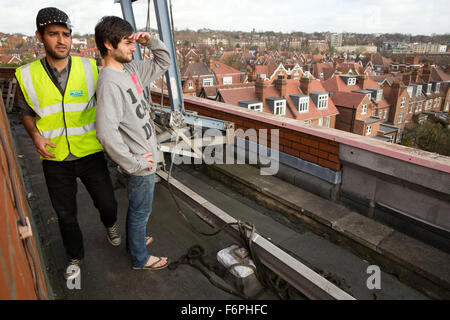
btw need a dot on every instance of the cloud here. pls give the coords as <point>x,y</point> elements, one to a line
<point>405,16</point>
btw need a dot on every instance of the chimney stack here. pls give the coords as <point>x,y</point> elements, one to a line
<point>407,79</point>
<point>415,76</point>
<point>362,81</point>
<point>280,85</point>
<point>261,90</point>
<point>304,85</point>
<point>426,73</point>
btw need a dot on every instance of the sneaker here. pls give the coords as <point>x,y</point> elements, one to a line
<point>73,269</point>
<point>113,235</point>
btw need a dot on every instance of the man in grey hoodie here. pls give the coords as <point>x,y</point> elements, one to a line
<point>124,124</point>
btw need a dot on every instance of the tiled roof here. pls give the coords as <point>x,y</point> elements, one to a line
<point>348,99</point>
<point>234,95</point>
<point>195,69</point>
<point>326,69</point>
<point>438,75</point>
<point>293,87</point>
<point>220,68</point>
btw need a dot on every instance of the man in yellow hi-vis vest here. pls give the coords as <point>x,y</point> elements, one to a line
<point>58,104</point>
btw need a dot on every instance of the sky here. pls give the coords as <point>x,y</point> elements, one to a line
<point>376,16</point>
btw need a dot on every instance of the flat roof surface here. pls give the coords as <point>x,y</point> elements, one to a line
<point>107,272</point>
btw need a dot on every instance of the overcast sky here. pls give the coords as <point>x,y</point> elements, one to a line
<point>376,16</point>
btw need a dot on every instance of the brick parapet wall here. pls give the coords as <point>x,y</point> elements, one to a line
<point>321,151</point>
<point>311,142</point>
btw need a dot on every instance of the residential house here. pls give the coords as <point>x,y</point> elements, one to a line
<point>355,114</point>
<point>195,76</point>
<point>303,99</point>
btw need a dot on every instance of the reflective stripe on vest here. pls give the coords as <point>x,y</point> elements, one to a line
<point>73,129</point>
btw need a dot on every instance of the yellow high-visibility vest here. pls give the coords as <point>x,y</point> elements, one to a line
<point>67,121</point>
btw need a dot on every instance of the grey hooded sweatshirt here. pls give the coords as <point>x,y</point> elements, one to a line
<point>124,124</point>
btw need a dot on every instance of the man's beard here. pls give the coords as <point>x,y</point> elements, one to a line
<point>56,55</point>
<point>122,58</point>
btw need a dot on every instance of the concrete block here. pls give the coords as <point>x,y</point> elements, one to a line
<point>421,258</point>
<point>416,204</point>
<point>363,230</point>
<point>358,183</point>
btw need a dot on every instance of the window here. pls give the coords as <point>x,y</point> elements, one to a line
<point>364,109</point>
<point>420,106</point>
<point>296,76</point>
<point>400,118</point>
<point>320,121</point>
<point>437,102</point>
<point>190,85</point>
<point>303,105</point>
<point>368,130</point>
<point>207,82</point>
<point>438,87</point>
<point>323,102</point>
<point>419,90</point>
<point>410,107</point>
<point>380,114</point>
<point>280,108</point>
<point>328,121</point>
<point>227,80</point>
<point>447,106</point>
<point>351,81</point>
<point>385,114</point>
<point>255,107</point>
<point>402,105</point>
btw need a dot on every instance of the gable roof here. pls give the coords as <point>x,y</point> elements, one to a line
<point>220,68</point>
<point>195,69</point>
<point>348,99</point>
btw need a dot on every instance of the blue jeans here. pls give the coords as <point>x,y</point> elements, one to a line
<point>140,198</point>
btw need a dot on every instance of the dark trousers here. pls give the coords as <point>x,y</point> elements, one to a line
<point>61,179</point>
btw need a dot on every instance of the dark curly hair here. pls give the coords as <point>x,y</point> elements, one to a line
<point>112,29</point>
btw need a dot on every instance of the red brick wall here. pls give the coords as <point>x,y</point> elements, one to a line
<point>307,147</point>
<point>344,119</point>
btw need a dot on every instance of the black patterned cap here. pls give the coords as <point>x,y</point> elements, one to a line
<point>52,15</point>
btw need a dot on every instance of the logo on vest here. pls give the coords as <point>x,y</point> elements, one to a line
<point>76,93</point>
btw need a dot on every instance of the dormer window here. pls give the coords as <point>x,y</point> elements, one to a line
<point>190,85</point>
<point>255,107</point>
<point>419,90</point>
<point>320,99</point>
<point>280,108</point>
<point>207,82</point>
<point>437,87</point>
<point>351,82</point>
<point>303,105</point>
<point>323,102</point>
<point>277,105</point>
<point>227,80</point>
